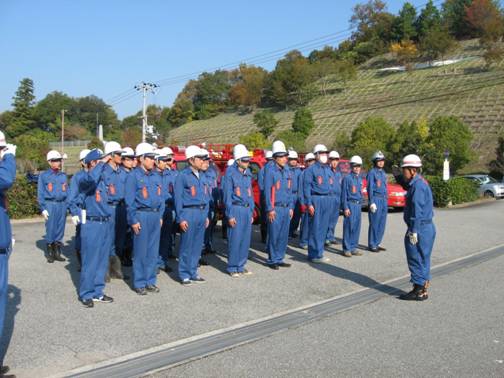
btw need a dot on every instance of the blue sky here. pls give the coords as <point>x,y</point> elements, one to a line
<point>105,47</point>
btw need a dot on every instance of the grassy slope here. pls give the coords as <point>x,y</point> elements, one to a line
<point>463,89</point>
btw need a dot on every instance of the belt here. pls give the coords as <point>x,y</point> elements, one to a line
<point>241,204</point>
<point>427,221</point>
<point>355,201</point>
<point>201,207</point>
<point>54,200</point>
<point>3,251</point>
<point>148,209</point>
<point>97,219</point>
<point>281,204</point>
<point>319,194</point>
<point>115,203</point>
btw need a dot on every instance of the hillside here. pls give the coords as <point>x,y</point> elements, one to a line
<point>463,89</point>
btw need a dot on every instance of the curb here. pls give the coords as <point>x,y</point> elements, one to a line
<point>470,204</point>
<point>31,220</point>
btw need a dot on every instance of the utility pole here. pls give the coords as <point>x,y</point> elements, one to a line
<point>145,87</point>
<point>62,133</point>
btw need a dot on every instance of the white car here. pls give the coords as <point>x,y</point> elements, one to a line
<point>488,186</point>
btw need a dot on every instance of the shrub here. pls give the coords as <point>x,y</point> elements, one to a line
<point>456,190</point>
<point>22,199</point>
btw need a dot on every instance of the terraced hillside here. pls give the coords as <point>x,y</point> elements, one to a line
<point>464,89</point>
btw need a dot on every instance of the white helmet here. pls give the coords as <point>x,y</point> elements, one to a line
<point>54,155</point>
<point>3,143</point>
<point>192,151</point>
<point>356,160</point>
<point>83,153</point>
<point>412,161</point>
<point>334,155</point>
<point>240,152</point>
<point>279,148</point>
<point>230,162</point>
<point>167,151</point>
<point>144,149</point>
<point>128,152</point>
<point>269,154</point>
<point>293,155</point>
<point>378,155</point>
<point>309,156</point>
<point>319,148</point>
<point>204,153</point>
<point>112,147</point>
<point>159,153</point>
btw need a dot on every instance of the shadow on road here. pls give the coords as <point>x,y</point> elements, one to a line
<point>13,302</point>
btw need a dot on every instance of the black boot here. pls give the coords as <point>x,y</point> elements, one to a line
<point>419,293</point>
<point>126,258</point>
<point>50,253</point>
<point>115,268</point>
<point>57,252</point>
<point>79,260</point>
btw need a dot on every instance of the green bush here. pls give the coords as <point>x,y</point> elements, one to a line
<point>456,190</point>
<point>22,199</point>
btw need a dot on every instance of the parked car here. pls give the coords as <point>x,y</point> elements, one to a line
<point>488,186</point>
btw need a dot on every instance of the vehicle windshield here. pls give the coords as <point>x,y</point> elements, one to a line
<point>488,180</point>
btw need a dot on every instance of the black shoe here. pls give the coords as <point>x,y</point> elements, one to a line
<point>152,289</point>
<point>167,269</point>
<point>382,248</point>
<point>50,253</point>
<point>274,266</point>
<point>284,265</point>
<point>104,299</point>
<point>57,252</point>
<point>334,242</point>
<point>375,250</point>
<point>141,291</point>
<point>203,262</point>
<point>186,282</point>
<point>172,257</point>
<point>88,303</point>
<point>417,294</point>
<point>198,280</point>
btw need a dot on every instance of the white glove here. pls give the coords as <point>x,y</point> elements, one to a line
<point>413,238</point>
<point>9,149</point>
<point>75,220</point>
<point>373,208</point>
<point>45,214</point>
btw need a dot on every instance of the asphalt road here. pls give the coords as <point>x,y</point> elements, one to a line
<point>48,331</point>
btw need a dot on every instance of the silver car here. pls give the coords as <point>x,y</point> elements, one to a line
<point>488,186</point>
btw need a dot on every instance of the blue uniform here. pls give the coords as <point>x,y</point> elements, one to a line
<point>278,198</point>
<point>52,195</point>
<point>191,205</point>
<point>239,203</point>
<point>166,240</point>
<point>305,217</point>
<point>377,194</point>
<point>317,185</point>
<point>95,241</point>
<point>7,176</point>
<point>335,203</point>
<point>145,205</point>
<point>128,234</point>
<point>262,203</point>
<point>294,224</point>
<point>351,199</point>
<point>115,181</point>
<point>74,204</point>
<point>418,215</point>
<point>211,179</point>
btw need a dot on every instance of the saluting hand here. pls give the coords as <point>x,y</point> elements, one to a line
<point>136,228</point>
<point>184,226</point>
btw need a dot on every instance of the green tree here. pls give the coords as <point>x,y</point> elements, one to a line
<point>249,82</point>
<point>254,140</point>
<point>22,115</point>
<point>410,138</point>
<point>327,70</point>
<point>32,148</point>
<point>447,134</point>
<point>95,143</point>
<point>454,17</point>
<point>371,135</point>
<point>437,43</point>
<point>341,143</point>
<point>497,165</point>
<point>293,140</point>
<point>429,19</point>
<point>211,96</point>
<point>265,122</point>
<point>303,122</point>
<point>404,24</point>
<point>48,111</point>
